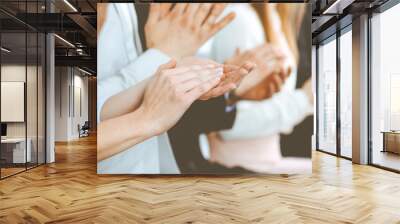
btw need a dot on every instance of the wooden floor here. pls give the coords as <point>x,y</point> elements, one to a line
<point>70,191</point>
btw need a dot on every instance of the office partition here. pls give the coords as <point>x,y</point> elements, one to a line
<point>22,64</point>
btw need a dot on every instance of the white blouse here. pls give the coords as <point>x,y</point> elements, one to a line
<point>278,114</point>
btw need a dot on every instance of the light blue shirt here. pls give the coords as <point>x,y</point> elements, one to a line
<point>122,64</point>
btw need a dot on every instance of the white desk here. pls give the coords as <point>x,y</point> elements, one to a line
<point>19,154</point>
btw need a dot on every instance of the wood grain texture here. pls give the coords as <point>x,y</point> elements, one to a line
<point>70,191</point>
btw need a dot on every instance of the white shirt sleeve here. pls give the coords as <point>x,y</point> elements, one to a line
<point>263,118</point>
<point>141,68</point>
<point>244,32</point>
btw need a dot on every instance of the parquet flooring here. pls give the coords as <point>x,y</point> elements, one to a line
<point>70,191</point>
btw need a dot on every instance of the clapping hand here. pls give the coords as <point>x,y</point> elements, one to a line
<point>181,30</point>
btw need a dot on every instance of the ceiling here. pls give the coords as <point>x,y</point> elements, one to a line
<point>75,21</point>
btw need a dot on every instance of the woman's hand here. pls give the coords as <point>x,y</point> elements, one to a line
<point>182,30</point>
<point>172,90</point>
<point>231,79</point>
<point>270,73</point>
<point>166,96</point>
<point>266,89</point>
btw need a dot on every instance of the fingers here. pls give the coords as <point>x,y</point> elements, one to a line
<point>271,88</point>
<point>232,77</point>
<point>274,84</point>
<point>154,14</point>
<point>199,79</point>
<point>219,90</point>
<point>178,9</point>
<point>268,53</point>
<point>221,24</point>
<point>191,11</point>
<point>184,69</point>
<point>169,65</point>
<point>284,72</point>
<point>278,82</point>
<point>201,14</point>
<point>198,91</point>
<point>236,76</point>
<point>237,51</point>
<point>230,68</point>
<point>248,66</point>
<point>198,76</point>
<point>216,11</point>
<point>165,9</point>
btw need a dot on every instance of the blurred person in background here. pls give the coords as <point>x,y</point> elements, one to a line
<point>256,123</point>
<point>257,147</point>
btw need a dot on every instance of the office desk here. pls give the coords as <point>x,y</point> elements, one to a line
<point>391,141</point>
<point>13,150</point>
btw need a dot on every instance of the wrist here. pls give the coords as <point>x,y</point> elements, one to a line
<point>146,122</point>
<point>232,98</point>
<point>171,53</point>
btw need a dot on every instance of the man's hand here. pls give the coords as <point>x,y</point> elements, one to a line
<point>180,31</point>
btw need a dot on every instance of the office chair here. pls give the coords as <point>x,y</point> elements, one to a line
<point>84,130</point>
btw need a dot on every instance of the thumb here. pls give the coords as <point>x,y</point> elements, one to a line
<point>237,51</point>
<point>169,65</point>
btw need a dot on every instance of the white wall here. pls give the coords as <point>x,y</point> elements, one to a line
<point>70,83</point>
<point>12,73</point>
<point>33,127</point>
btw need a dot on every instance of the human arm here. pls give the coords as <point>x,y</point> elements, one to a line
<point>158,39</point>
<point>101,15</point>
<point>135,72</point>
<point>271,83</point>
<point>266,79</point>
<point>124,102</point>
<point>128,100</point>
<point>166,97</point>
<point>278,114</point>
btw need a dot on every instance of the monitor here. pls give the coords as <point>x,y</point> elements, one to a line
<point>3,129</point>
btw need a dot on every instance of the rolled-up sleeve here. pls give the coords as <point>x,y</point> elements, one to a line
<point>143,67</point>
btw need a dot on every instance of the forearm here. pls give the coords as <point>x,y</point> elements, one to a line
<point>120,133</point>
<point>276,28</point>
<point>291,17</point>
<point>135,72</point>
<point>124,102</point>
